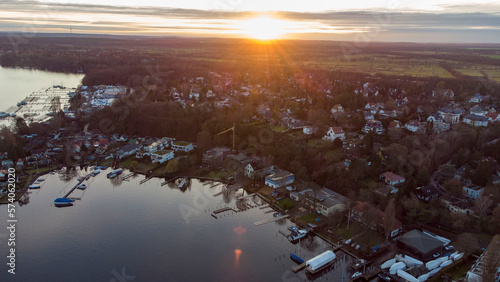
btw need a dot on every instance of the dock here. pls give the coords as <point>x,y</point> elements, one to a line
<point>247,196</point>
<point>126,177</point>
<point>146,179</point>
<point>78,184</point>
<point>265,221</point>
<point>223,210</point>
<point>168,181</point>
<point>299,267</point>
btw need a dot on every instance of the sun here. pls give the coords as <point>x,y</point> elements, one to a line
<point>264,28</point>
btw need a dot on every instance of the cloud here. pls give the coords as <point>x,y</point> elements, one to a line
<point>452,22</point>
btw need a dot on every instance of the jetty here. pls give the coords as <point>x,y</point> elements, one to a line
<point>168,181</point>
<point>265,221</point>
<point>183,182</point>
<point>78,184</point>
<point>126,177</point>
<point>146,179</point>
<point>223,210</point>
<point>299,267</point>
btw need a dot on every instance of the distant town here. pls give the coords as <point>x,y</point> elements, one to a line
<point>404,174</point>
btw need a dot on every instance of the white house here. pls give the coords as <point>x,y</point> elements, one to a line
<point>392,178</point>
<point>308,130</point>
<point>416,126</point>
<point>162,156</point>
<point>472,191</point>
<point>451,115</point>
<point>334,133</point>
<point>182,146</point>
<point>337,109</point>
<point>475,120</point>
<point>478,98</point>
<point>128,150</point>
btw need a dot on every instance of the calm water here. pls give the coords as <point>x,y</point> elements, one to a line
<point>17,83</point>
<point>152,232</point>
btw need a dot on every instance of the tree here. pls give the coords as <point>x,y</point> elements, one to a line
<point>389,218</point>
<point>482,205</point>
<point>423,176</point>
<point>454,187</point>
<point>466,243</point>
<point>483,173</point>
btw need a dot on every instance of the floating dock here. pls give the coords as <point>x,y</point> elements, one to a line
<point>170,180</point>
<point>223,210</point>
<point>78,184</point>
<point>265,221</point>
<point>146,179</point>
<point>126,177</point>
<point>299,267</point>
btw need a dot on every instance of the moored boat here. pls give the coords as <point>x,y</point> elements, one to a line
<point>296,258</point>
<point>296,235</point>
<point>114,173</point>
<point>63,202</point>
<point>96,171</point>
<point>320,262</point>
<point>82,186</point>
<point>34,186</point>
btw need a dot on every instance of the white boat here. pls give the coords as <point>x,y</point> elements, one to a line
<point>114,173</point>
<point>82,186</point>
<point>356,274</point>
<point>320,262</point>
<point>34,186</point>
<point>40,179</point>
<point>296,235</point>
<point>96,171</point>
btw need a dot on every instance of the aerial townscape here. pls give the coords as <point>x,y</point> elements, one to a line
<point>248,159</point>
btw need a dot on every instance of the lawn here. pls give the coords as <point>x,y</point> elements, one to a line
<point>309,218</point>
<point>278,129</point>
<point>286,204</point>
<point>354,229</point>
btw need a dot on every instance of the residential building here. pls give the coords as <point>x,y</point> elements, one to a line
<point>475,120</point>
<point>492,117</point>
<point>7,163</point>
<point>472,191</point>
<point>435,117</point>
<point>372,217</point>
<point>416,126</point>
<point>181,146</point>
<point>451,115</point>
<point>477,110</point>
<point>337,109</point>
<point>279,178</point>
<point>478,98</point>
<point>392,178</point>
<point>373,126</point>
<point>439,127</point>
<point>427,193</point>
<point>395,124</point>
<point>216,156</point>
<point>457,204</point>
<point>162,156</point>
<point>128,150</point>
<point>308,130</point>
<point>334,133</point>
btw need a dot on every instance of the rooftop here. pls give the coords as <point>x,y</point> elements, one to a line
<point>420,241</point>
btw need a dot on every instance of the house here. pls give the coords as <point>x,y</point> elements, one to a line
<point>373,126</point>
<point>279,178</point>
<point>216,156</point>
<point>20,163</point>
<point>153,147</point>
<point>472,191</point>
<point>392,178</point>
<point>440,127</point>
<point>492,117</point>
<point>251,169</point>
<point>419,244</point>
<point>427,193</point>
<point>485,261</point>
<point>395,124</point>
<point>334,133</point>
<point>337,109</point>
<point>162,156</point>
<point>416,126</point>
<point>7,163</point>
<point>435,117</point>
<point>372,217</point>
<point>371,106</point>
<point>368,115</point>
<point>308,130</point>
<point>478,98</point>
<point>127,150</point>
<point>182,146</point>
<point>451,115</point>
<point>477,110</point>
<point>457,204</point>
<point>475,120</point>
<point>333,202</point>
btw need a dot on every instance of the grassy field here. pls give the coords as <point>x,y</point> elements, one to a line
<point>286,204</point>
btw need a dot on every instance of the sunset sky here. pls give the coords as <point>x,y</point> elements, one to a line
<point>386,20</point>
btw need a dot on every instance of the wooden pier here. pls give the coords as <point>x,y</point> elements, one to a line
<point>126,177</point>
<point>78,184</point>
<point>223,210</point>
<point>299,267</point>
<point>146,179</point>
<point>247,196</point>
<point>168,181</point>
<point>265,221</point>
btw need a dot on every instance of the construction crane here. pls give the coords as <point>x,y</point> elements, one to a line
<point>234,132</point>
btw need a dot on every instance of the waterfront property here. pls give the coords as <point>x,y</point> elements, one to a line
<point>279,178</point>
<point>419,244</point>
<point>182,146</point>
<point>162,156</point>
<point>392,178</point>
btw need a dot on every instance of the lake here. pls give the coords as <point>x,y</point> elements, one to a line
<point>151,232</point>
<point>17,83</point>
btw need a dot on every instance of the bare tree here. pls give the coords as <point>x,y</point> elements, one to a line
<point>389,218</point>
<point>482,205</point>
<point>491,260</point>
